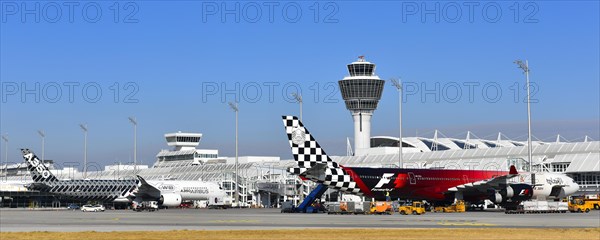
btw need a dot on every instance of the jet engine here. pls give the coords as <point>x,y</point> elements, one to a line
<point>513,193</point>
<point>170,200</point>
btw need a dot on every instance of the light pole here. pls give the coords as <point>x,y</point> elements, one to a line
<point>398,86</point>
<point>298,98</point>
<point>5,138</point>
<point>525,67</point>
<point>43,135</point>
<point>235,108</point>
<point>134,122</point>
<point>85,133</point>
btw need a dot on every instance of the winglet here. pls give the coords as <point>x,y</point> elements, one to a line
<point>513,170</point>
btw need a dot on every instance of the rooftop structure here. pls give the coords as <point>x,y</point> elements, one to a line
<point>183,141</point>
<point>184,150</point>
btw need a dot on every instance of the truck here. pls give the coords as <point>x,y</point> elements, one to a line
<point>594,200</point>
<point>416,208</point>
<point>458,206</point>
<point>579,204</point>
<point>149,206</point>
<point>350,207</point>
<point>539,206</point>
<point>584,203</point>
<point>381,207</point>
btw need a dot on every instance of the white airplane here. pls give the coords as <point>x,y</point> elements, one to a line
<point>548,185</point>
<point>168,193</point>
<point>172,193</point>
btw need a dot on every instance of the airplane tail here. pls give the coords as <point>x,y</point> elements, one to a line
<point>306,150</point>
<point>39,171</point>
<point>313,162</point>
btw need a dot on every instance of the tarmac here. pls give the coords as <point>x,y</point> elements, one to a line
<point>23,220</point>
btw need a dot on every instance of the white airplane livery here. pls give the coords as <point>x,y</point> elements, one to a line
<point>173,193</point>
<point>548,185</point>
<point>168,193</point>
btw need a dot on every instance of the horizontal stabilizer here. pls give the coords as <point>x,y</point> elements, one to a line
<point>513,170</point>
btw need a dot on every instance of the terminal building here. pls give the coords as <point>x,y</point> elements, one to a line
<point>264,182</point>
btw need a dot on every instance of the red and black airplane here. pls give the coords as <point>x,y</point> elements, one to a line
<point>433,185</point>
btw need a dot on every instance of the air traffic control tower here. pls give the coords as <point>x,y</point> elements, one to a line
<point>361,91</point>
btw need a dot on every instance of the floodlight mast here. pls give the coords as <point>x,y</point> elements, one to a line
<point>234,107</point>
<point>85,133</point>
<point>43,135</point>
<point>525,67</point>
<point>298,98</point>
<point>5,138</point>
<point>398,84</point>
<point>134,122</point>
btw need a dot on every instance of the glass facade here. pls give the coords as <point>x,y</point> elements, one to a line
<point>361,88</point>
<point>586,178</point>
<point>188,139</point>
<point>361,69</point>
<point>490,144</point>
<point>187,157</point>
<point>430,145</point>
<point>385,142</point>
<point>183,139</point>
<point>560,167</point>
<point>361,94</point>
<point>464,145</point>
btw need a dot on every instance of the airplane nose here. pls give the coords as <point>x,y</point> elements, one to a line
<point>574,188</point>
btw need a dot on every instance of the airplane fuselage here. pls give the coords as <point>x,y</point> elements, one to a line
<point>434,184</point>
<point>86,190</point>
<point>417,184</point>
<point>189,190</point>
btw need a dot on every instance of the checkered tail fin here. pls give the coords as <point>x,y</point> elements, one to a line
<point>306,150</point>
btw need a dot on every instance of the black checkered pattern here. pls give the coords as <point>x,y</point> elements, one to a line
<point>307,153</point>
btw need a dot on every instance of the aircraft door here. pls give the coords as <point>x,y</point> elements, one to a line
<point>412,178</point>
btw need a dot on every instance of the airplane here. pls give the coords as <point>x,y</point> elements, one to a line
<point>169,193</point>
<point>439,186</point>
<point>172,192</point>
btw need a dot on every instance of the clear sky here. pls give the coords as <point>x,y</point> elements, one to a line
<point>174,65</point>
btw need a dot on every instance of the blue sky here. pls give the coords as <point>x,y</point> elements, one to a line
<point>174,62</point>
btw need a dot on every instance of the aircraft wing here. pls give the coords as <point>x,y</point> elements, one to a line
<point>37,186</point>
<point>145,190</point>
<point>483,185</point>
